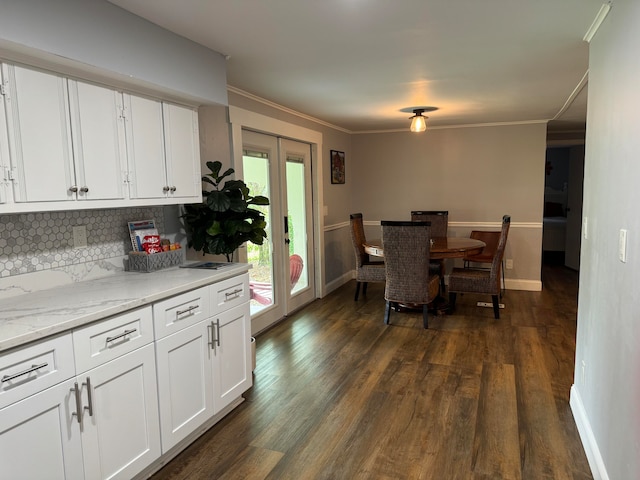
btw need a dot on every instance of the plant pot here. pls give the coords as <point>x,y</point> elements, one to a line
<point>253,354</point>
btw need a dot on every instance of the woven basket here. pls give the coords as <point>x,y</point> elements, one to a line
<point>143,262</point>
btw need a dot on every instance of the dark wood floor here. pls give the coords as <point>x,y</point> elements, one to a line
<point>339,395</point>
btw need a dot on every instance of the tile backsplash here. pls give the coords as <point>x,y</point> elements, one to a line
<point>33,242</point>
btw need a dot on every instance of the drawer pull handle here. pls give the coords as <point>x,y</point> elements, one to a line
<point>218,331</point>
<point>123,334</point>
<point>188,310</point>
<point>76,390</point>
<point>33,368</point>
<point>235,294</point>
<point>89,398</point>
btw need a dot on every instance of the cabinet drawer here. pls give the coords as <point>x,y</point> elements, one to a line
<point>103,341</point>
<point>33,368</point>
<point>229,293</point>
<point>181,311</point>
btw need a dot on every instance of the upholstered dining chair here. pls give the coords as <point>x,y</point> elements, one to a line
<point>484,281</point>
<point>366,269</point>
<point>406,257</point>
<point>439,226</point>
<point>491,240</point>
<point>262,292</point>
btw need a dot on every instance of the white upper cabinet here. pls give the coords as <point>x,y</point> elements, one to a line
<point>145,147</point>
<point>163,150</point>
<point>39,135</point>
<point>98,141</point>
<point>68,144</point>
<point>5,164</point>
<point>182,149</point>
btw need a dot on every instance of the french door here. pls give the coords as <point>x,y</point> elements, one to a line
<point>282,277</point>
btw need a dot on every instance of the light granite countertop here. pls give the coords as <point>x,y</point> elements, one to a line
<point>36,315</point>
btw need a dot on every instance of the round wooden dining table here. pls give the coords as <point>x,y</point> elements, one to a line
<point>441,247</point>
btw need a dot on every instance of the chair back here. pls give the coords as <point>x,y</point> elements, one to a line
<point>406,257</point>
<point>497,258</point>
<point>296,264</point>
<point>439,220</point>
<point>358,238</point>
<point>490,239</point>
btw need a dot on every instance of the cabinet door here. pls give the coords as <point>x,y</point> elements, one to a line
<point>182,147</point>
<point>185,385</point>
<point>40,439</point>
<point>231,355</point>
<point>121,434</point>
<point>5,165</point>
<point>98,141</point>
<point>145,148</point>
<point>39,135</point>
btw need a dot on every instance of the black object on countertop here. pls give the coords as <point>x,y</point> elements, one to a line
<point>207,265</point>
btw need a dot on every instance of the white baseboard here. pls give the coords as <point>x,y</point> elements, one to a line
<point>338,282</point>
<point>511,284</point>
<point>527,285</point>
<point>589,444</point>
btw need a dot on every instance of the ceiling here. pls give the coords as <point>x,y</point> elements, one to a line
<point>357,64</point>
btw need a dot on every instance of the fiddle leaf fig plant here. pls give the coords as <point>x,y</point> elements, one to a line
<point>225,219</point>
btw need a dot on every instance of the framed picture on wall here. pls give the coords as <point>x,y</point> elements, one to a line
<point>337,167</point>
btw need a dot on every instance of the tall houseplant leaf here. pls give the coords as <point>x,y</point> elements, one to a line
<point>224,220</point>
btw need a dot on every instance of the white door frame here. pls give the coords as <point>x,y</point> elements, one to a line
<point>240,118</point>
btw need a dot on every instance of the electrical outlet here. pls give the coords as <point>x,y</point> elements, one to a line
<point>79,236</point>
<point>509,263</point>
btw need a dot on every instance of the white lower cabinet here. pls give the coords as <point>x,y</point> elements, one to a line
<point>40,439</point>
<point>106,400</point>
<point>185,383</point>
<point>203,367</point>
<point>231,355</point>
<point>121,434</point>
<point>116,373</point>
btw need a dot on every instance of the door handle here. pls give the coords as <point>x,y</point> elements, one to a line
<point>286,230</point>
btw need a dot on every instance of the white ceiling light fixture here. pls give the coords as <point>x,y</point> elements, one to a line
<point>419,121</point>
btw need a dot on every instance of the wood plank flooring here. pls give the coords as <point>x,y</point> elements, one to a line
<point>339,395</point>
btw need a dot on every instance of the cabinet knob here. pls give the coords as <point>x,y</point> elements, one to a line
<point>173,189</point>
<point>84,189</point>
<point>73,189</point>
<point>165,189</point>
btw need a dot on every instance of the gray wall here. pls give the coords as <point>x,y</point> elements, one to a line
<point>478,174</point>
<point>97,40</point>
<point>494,170</point>
<point>338,256</point>
<point>606,395</point>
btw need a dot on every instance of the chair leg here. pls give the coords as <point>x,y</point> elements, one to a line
<point>364,288</point>
<point>496,306</point>
<point>452,300</point>
<point>504,285</point>
<point>357,291</point>
<point>387,311</point>
<point>425,316</point>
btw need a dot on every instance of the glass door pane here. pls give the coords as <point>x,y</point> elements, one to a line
<point>295,158</point>
<point>255,166</point>
<point>297,224</point>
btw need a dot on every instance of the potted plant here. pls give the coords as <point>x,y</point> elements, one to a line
<point>225,219</point>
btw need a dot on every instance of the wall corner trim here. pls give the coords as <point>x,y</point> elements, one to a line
<point>586,435</point>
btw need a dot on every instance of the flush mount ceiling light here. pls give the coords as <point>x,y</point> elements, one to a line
<point>419,121</point>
